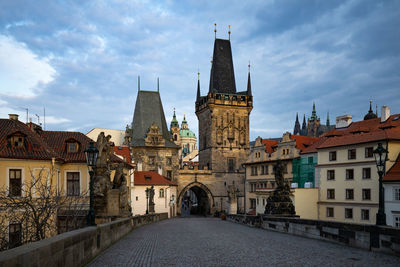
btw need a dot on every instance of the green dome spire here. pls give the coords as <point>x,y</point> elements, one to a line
<point>174,122</point>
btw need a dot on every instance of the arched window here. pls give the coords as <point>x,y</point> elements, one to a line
<point>161,192</point>
<point>175,137</point>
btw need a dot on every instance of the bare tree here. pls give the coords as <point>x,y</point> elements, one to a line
<point>31,213</point>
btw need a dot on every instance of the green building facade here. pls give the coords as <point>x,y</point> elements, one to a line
<point>304,170</point>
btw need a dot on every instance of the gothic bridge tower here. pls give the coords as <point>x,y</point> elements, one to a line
<point>223,115</point>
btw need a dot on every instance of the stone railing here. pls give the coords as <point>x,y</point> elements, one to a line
<point>75,248</point>
<point>370,237</point>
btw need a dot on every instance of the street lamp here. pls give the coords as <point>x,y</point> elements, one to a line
<point>91,159</point>
<point>147,200</point>
<point>380,154</point>
<point>237,200</point>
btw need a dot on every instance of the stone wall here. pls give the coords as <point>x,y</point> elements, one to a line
<point>75,248</point>
<point>371,237</point>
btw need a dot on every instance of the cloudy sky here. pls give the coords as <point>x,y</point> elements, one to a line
<point>80,59</point>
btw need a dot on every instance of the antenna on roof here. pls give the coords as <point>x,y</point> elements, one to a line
<point>229,32</point>
<point>38,119</point>
<point>138,82</point>
<point>158,84</point>
<point>215,30</point>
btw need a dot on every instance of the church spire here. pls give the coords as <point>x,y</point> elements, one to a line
<point>327,120</point>
<point>198,87</point>
<point>370,114</point>
<point>174,122</point>
<point>314,113</point>
<point>249,83</point>
<point>296,130</point>
<point>304,126</point>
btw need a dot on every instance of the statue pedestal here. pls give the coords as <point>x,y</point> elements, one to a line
<point>113,202</point>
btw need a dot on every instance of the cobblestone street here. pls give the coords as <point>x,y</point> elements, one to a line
<point>197,241</point>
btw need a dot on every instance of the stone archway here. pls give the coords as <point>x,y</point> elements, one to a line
<point>204,200</point>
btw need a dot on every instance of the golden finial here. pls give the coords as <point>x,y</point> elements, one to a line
<point>198,74</point>
<point>215,30</point>
<point>229,32</point>
<point>249,65</point>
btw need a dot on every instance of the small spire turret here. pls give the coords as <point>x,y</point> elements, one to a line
<point>327,120</point>
<point>249,93</point>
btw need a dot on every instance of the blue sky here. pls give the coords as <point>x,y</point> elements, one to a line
<point>80,59</point>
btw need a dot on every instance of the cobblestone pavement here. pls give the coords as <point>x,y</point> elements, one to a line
<point>196,241</point>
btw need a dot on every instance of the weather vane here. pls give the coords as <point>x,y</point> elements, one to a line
<point>229,32</point>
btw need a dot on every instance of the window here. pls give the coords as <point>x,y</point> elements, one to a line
<point>366,173</point>
<point>175,137</point>
<point>365,215</point>
<point>330,212</point>
<point>169,161</point>
<point>266,169</point>
<point>330,175</point>
<point>72,147</point>
<point>14,235</point>
<point>152,160</point>
<point>349,194</point>
<point>73,188</point>
<point>332,155</point>
<point>169,174</point>
<point>285,168</point>
<point>348,213</point>
<point>252,187</point>
<point>137,198</point>
<point>330,194</point>
<point>254,170</point>
<point>263,201</point>
<point>349,174</point>
<point>351,154</point>
<point>396,220</point>
<point>258,201</point>
<point>161,192</point>
<point>310,160</point>
<point>17,140</point>
<point>396,194</point>
<point>231,165</point>
<point>366,194</point>
<point>252,203</point>
<point>369,152</point>
<point>15,189</point>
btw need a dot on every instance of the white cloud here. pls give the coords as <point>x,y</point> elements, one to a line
<point>54,120</point>
<point>21,71</point>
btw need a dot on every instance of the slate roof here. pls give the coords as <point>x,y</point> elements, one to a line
<point>222,76</point>
<point>151,178</point>
<point>34,146</point>
<point>365,131</point>
<point>149,110</point>
<point>393,174</point>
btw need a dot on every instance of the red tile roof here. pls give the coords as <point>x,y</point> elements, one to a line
<point>302,142</point>
<point>270,145</point>
<point>363,132</point>
<point>124,152</point>
<point>34,146</point>
<point>151,178</point>
<point>313,147</point>
<point>394,172</point>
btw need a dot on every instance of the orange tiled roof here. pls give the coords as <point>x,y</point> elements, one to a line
<point>394,172</point>
<point>151,178</point>
<point>34,146</point>
<point>270,145</point>
<point>124,152</point>
<point>302,142</point>
<point>313,147</point>
<point>364,132</point>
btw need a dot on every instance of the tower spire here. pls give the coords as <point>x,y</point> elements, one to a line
<point>198,87</point>
<point>304,126</point>
<point>249,93</point>
<point>138,81</point>
<point>158,85</point>
<point>327,120</point>
<point>296,130</point>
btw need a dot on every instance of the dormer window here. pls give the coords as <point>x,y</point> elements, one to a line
<point>17,139</point>
<point>72,147</point>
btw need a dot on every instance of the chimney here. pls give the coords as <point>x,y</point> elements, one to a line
<point>385,113</point>
<point>13,117</point>
<point>343,121</point>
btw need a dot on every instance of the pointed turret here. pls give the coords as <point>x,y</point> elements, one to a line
<point>222,76</point>
<point>174,122</point>
<point>327,120</point>
<point>297,129</point>
<point>184,124</point>
<point>314,113</point>
<point>249,84</point>
<point>304,126</point>
<point>198,87</point>
<point>370,114</point>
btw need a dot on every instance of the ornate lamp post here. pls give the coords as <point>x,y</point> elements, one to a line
<point>237,200</point>
<point>91,159</point>
<point>380,154</point>
<point>147,200</point>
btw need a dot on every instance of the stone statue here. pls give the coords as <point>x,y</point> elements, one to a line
<point>102,181</point>
<point>279,203</point>
<point>151,199</point>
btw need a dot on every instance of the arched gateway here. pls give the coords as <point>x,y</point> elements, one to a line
<point>195,198</point>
